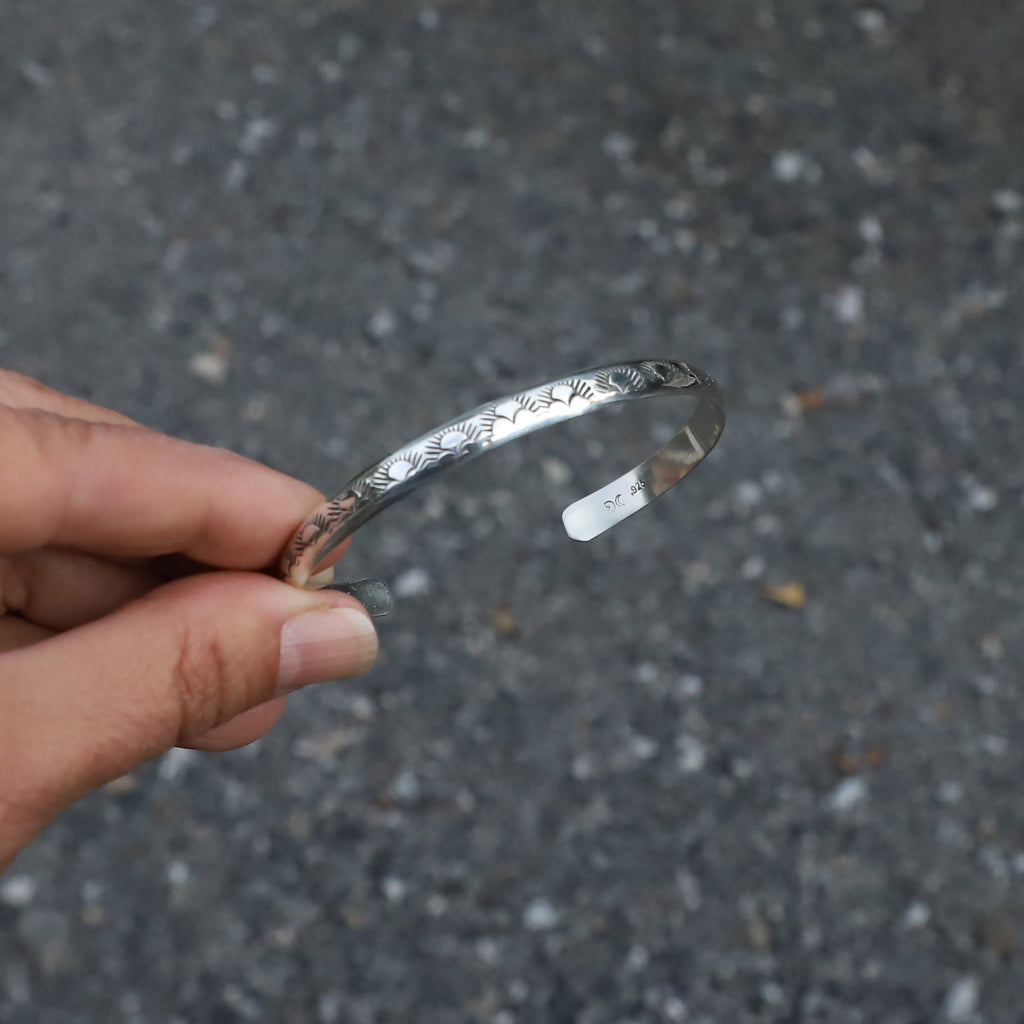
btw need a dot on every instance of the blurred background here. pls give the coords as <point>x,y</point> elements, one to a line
<point>753,756</point>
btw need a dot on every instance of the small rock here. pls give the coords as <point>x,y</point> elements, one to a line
<point>504,621</point>
<point>848,304</point>
<point>1007,202</point>
<point>429,18</point>
<point>690,686</point>
<point>329,1007</point>
<point>637,959</point>
<point>748,494</point>
<point>35,74</point>
<point>789,166</point>
<point>675,1009</point>
<point>405,788</point>
<point>413,582</point>
<point>646,673</point>
<point>789,595</point>
<point>395,889</point>
<point>848,794</point>
<point>917,915</point>
<point>758,933</point>
<point>540,916</point>
<point>382,324</point>
<point>753,568</point>
<point>871,230</point>
<point>692,755</point>
<point>209,366</point>
<point>982,498</point>
<point>643,748</point>
<point>257,131</point>
<point>556,472</point>
<point>618,146</point>
<point>871,21</point>
<point>961,1000</point>
<point>178,873</point>
<point>17,891</point>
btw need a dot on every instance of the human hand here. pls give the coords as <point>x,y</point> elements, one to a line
<point>104,661</point>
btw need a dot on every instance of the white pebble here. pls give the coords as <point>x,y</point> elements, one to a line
<point>675,1009</point>
<point>871,230</point>
<point>35,74</point>
<point>518,990</point>
<point>961,1000</point>
<point>257,131</point>
<point>209,366</point>
<point>917,916</point>
<point>236,175</point>
<point>748,493</point>
<point>637,958</point>
<point>753,568</point>
<point>871,21</point>
<point>178,873</point>
<point>476,138</point>
<point>789,166</point>
<point>540,916</point>
<point>395,889</point>
<point>412,583</point>
<point>848,794</point>
<point>646,673</point>
<point>618,146</point>
<point>643,748</point>
<point>17,891</point>
<point>693,755</point>
<point>1007,201</point>
<point>382,324</point>
<point>488,951</point>
<point>329,1007</point>
<point>406,787</point>
<point>950,792</point>
<point>982,498</point>
<point>556,472</point>
<point>429,18</point>
<point>690,686</point>
<point>848,304</point>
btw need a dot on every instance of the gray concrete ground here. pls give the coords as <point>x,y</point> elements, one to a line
<point>620,783</point>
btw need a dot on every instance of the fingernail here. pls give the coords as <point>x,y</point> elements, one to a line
<point>326,643</point>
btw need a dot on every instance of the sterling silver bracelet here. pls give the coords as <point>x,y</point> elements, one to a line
<point>505,419</point>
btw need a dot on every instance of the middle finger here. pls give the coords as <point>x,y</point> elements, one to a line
<point>61,589</point>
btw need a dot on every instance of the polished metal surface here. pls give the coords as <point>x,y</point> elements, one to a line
<point>505,419</point>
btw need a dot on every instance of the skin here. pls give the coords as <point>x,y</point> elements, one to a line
<point>135,609</point>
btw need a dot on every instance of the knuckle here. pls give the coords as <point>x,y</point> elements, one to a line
<point>203,676</point>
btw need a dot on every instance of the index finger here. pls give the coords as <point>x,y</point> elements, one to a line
<point>124,490</point>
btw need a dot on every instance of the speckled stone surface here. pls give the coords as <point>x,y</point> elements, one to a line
<point>756,756</point>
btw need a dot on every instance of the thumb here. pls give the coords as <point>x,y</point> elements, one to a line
<point>80,709</point>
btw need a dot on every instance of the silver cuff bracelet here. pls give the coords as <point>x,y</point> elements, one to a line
<point>505,419</point>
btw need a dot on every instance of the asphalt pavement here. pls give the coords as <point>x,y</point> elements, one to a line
<point>754,756</point>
